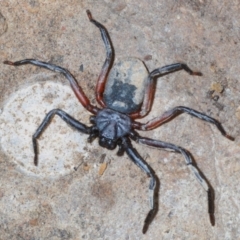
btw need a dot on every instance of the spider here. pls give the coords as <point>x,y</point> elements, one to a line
<point>122,101</point>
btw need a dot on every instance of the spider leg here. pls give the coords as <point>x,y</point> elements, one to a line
<point>150,87</point>
<point>108,61</point>
<point>76,88</point>
<point>139,161</point>
<point>190,163</point>
<point>65,117</point>
<point>167,116</point>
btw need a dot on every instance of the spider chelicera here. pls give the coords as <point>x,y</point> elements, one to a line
<point>122,101</point>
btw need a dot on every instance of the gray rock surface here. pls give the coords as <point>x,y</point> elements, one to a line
<point>54,201</point>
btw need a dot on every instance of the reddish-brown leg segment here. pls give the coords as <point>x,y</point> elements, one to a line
<point>150,88</point>
<point>167,116</point>
<point>108,61</point>
<point>76,88</point>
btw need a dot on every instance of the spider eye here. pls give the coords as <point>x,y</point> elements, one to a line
<point>92,119</point>
<point>107,143</point>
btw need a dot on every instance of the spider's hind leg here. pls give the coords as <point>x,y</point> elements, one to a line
<point>73,82</point>
<point>150,86</point>
<point>108,61</point>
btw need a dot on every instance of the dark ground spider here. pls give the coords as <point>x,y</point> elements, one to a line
<point>114,123</point>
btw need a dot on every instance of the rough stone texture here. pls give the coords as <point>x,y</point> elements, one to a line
<point>20,119</point>
<point>83,204</point>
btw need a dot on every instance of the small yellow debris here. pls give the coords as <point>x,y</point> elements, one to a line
<point>238,113</point>
<point>86,167</point>
<point>217,87</point>
<point>102,168</point>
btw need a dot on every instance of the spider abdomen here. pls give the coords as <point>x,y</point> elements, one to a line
<point>125,86</point>
<point>112,125</point>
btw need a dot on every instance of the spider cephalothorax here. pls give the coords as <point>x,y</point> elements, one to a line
<point>124,97</point>
<point>112,126</point>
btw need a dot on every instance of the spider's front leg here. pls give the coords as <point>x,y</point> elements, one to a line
<point>190,163</point>
<point>154,182</point>
<point>66,118</point>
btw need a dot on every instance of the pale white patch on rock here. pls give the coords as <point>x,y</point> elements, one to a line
<point>60,147</point>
